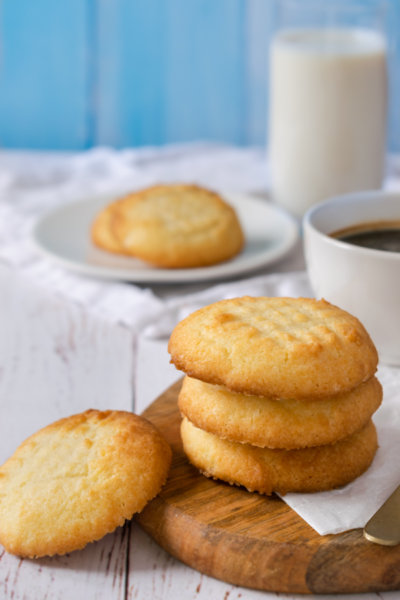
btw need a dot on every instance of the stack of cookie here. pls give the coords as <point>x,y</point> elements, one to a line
<point>170,226</point>
<point>278,394</point>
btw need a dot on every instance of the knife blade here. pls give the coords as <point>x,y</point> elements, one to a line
<point>384,526</point>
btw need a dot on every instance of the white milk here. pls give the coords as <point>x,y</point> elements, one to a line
<point>327,114</point>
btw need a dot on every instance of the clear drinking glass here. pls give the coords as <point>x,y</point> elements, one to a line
<point>328,100</point>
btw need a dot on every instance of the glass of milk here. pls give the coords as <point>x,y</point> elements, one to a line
<point>328,101</point>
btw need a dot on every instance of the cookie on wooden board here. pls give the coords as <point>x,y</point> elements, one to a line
<point>274,422</point>
<point>171,226</point>
<point>266,471</point>
<point>283,347</point>
<point>77,479</point>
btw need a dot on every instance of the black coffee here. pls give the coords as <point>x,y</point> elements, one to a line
<point>378,236</point>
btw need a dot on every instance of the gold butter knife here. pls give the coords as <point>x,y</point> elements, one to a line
<point>384,526</point>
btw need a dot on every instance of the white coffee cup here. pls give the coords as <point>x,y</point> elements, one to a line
<point>363,281</point>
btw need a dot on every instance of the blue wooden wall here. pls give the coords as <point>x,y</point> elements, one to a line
<point>78,73</point>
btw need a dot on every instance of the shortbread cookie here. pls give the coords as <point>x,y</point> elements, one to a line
<point>78,479</point>
<point>264,470</point>
<point>102,234</point>
<point>174,226</point>
<point>283,347</point>
<point>276,423</point>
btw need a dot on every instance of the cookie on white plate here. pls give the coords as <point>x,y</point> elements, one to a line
<point>171,226</point>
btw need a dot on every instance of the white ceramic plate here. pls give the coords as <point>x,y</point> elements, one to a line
<point>64,235</point>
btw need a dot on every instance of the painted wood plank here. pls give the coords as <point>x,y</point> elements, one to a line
<point>44,74</point>
<point>152,357</point>
<point>56,360</point>
<point>170,71</point>
<point>205,66</point>
<point>260,26</point>
<point>97,573</point>
<point>131,71</point>
<point>392,29</point>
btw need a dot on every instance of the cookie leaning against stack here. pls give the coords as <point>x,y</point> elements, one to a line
<point>278,394</point>
<point>170,226</point>
<point>78,479</point>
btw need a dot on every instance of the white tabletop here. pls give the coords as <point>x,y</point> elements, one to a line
<point>69,343</point>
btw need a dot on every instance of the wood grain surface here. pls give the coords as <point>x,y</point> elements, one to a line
<point>251,540</point>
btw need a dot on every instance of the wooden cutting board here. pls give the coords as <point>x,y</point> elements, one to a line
<point>252,540</point>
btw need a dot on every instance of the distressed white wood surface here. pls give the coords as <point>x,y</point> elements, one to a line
<point>56,360</point>
<point>97,572</point>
